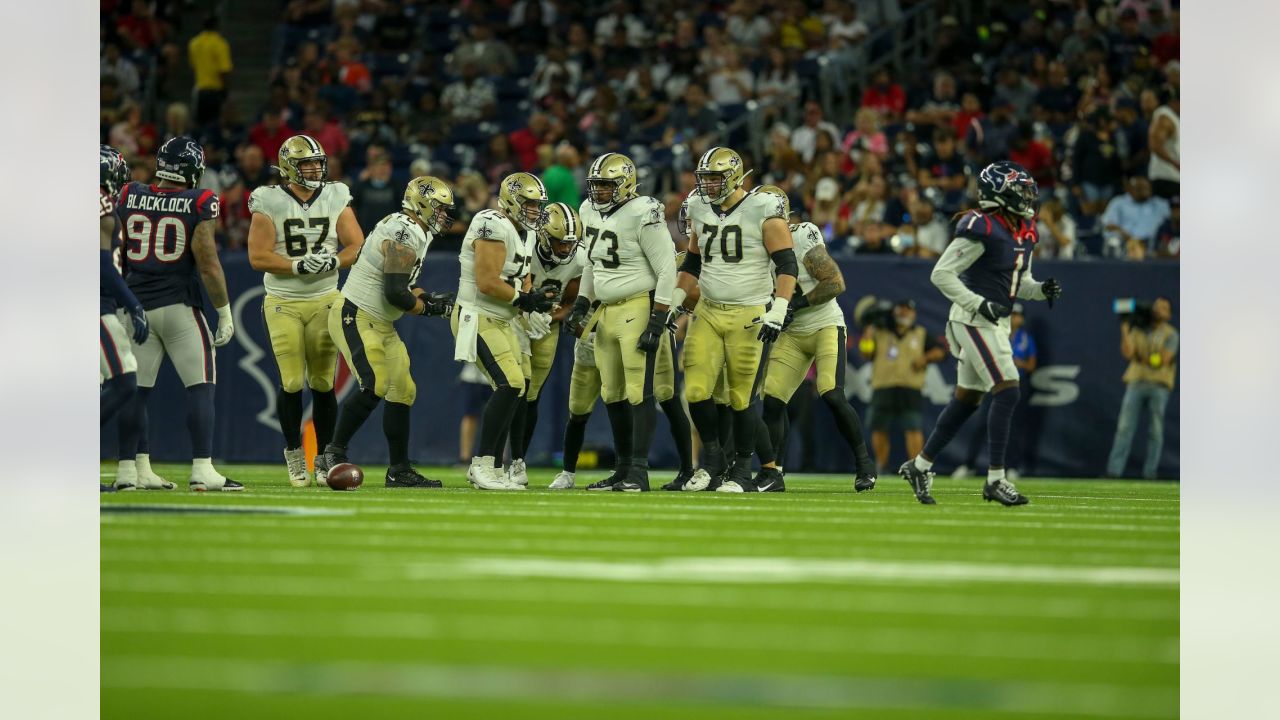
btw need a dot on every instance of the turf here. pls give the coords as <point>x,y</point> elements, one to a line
<point>816,603</point>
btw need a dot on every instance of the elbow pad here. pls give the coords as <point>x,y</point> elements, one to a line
<point>395,288</point>
<point>692,264</point>
<point>784,261</point>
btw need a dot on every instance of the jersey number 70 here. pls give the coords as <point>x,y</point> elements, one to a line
<point>730,242</point>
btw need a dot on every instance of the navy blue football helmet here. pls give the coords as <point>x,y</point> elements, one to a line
<point>181,160</point>
<point>1007,185</point>
<point>113,171</point>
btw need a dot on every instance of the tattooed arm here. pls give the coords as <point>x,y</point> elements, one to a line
<point>825,271</point>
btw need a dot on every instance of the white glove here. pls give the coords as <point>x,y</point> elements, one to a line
<point>321,262</point>
<point>771,323</point>
<point>226,328</point>
<point>539,325</point>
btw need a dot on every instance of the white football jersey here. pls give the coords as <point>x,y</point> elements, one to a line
<point>493,225</point>
<point>619,267</point>
<point>365,286</point>
<point>301,228</point>
<point>560,275</point>
<point>736,268</point>
<point>806,237</point>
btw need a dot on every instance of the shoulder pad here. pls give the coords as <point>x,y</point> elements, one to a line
<point>487,224</point>
<point>342,192</point>
<point>974,224</point>
<point>259,199</point>
<point>650,210</point>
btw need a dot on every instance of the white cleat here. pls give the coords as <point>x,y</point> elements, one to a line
<point>321,464</point>
<point>126,476</point>
<point>147,479</point>
<point>563,481</point>
<point>297,464</point>
<point>518,474</point>
<point>729,486</point>
<point>205,479</point>
<point>700,481</point>
<point>484,476</point>
<point>961,473</point>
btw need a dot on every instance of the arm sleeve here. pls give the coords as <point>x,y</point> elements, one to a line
<point>657,247</point>
<point>587,286</point>
<point>395,288</point>
<point>114,283</point>
<point>959,255</point>
<point>1030,288</point>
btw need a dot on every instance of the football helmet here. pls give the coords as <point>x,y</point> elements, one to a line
<point>611,170</point>
<point>683,223</point>
<point>719,174</point>
<point>523,198</point>
<point>180,159</point>
<point>113,171</point>
<point>782,198</point>
<point>297,150</point>
<point>1007,185</point>
<point>560,237</point>
<point>427,199</point>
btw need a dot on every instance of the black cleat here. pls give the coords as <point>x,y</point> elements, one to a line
<point>334,455</point>
<point>770,480</point>
<point>608,483</point>
<point>406,477</point>
<point>919,480</point>
<point>637,481</point>
<point>1003,492</point>
<point>864,482</point>
<point>678,483</point>
<point>737,479</point>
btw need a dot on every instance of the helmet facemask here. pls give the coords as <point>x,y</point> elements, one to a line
<point>598,189</point>
<point>714,185</point>
<point>299,176</point>
<point>441,217</point>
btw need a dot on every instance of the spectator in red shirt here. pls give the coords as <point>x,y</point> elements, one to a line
<point>1032,154</point>
<point>270,133</point>
<point>525,141</point>
<point>351,72</point>
<point>1167,44</point>
<point>970,112</point>
<point>328,133</point>
<point>140,28</point>
<point>885,96</point>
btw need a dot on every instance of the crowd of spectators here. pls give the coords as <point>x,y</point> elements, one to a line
<point>1084,93</point>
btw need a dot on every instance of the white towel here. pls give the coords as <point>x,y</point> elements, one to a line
<point>464,346</point>
<point>522,333</point>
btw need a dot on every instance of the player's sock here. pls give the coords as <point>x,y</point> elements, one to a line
<point>200,419</point>
<point>289,410</point>
<point>706,421</point>
<point>681,435</point>
<point>999,420</point>
<point>518,432</point>
<point>530,423</point>
<point>324,413</point>
<point>395,424</point>
<point>575,431</point>
<point>495,421</point>
<point>645,415</point>
<point>144,422</point>
<point>850,426</point>
<point>724,427</point>
<point>355,410</point>
<point>502,440</point>
<point>131,428</point>
<point>776,421</point>
<point>949,423</point>
<point>115,394</point>
<point>744,433</point>
<point>623,424</point>
<point>764,444</point>
<point>994,476</point>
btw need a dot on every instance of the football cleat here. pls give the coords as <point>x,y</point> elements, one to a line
<point>322,469</point>
<point>334,455</point>
<point>736,479</point>
<point>147,478</point>
<point>228,485</point>
<point>637,481</point>
<point>205,478</point>
<point>563,481</point>
<point>1003,492</point>
<point>919,480</point>
<point>699,481</point>
<point>126,476</point>
<point>405,476</point>
<point>484,476</point>
<point>609,482</point>
<point>680,480</point>
<point>770,480</point>
<point>106,488</point>
<point>864,482</point>
<point>297,464</point>
<point>518,474</point>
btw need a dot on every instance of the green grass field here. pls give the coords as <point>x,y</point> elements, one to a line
<point>816,603</point>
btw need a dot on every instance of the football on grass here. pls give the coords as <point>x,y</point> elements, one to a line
<point>345,476</point>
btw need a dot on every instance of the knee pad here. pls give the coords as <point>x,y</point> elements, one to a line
<point>318,383</point>
<point>404,394</point>
<point>291,383</point>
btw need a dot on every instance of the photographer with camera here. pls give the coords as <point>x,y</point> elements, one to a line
<point>899,351</point>
<point>1150,344</point>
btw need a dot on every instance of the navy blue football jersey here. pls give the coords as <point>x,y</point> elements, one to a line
<point>158,227</point>
<point>1006,254</point>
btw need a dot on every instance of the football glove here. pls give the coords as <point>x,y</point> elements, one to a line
<point>799,301</point>
<point>993,311</point>
<point>532,302</point>
<point>774,317</point>
<point>141,329</point>
<point>226,328</point>
<point>437,304</point>
<point>539,325</point>
<point>577,319</point>
<point>652,335</point>
<point>315,264</point>
<point>1052,290</point>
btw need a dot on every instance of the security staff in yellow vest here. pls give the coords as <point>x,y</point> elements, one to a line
<point>899,357</point>
<point>1152,353</point>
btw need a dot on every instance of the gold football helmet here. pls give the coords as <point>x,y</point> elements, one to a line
<point>785,209</point>
<point>429,200</point>
<point>612,176</point>
<point>297,150</point>
<point>523,198</point>
<point>683,223</point>
<point>560,237</point>
<point>719,174</point>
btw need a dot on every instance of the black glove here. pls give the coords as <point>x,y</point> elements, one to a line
<point>437,304</point>
<point>652,335</point>
<point>532,302</point>
<point>799,301</point>
<point>141,329</point>
<point>1052,290</point>
<point>578,316</point>
<point>993,311</point>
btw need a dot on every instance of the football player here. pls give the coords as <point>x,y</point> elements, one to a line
<point>493,288</point>
<point>169,247</point>
<point>984,269</point>
<point>378,291</point>
<point>814,332</point>
<point>302,231</point>
<point>738,245</point>
<point>630,275</point>
<point>556,264</point>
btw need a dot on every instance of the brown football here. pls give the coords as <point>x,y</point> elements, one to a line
<point>345,476</point>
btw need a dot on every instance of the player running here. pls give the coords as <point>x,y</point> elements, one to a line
<point>630,275</point>
<point>734,238</point>
<point>982,271</point>
<point>493,288</point>
<point>301,233</point>
<point>814,333</point>
<point>379,290</point>
<point>169,239</point>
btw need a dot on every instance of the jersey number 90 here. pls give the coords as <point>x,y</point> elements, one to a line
<point>165,238</point>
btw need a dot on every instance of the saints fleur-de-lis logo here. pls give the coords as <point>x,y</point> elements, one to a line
<point>402,236</point>
<point>484,232</point>
<point>733,161</point>
<point>426,190</point>
<point>513,187</point>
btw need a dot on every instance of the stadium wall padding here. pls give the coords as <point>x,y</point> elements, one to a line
<point>1067,418</point>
